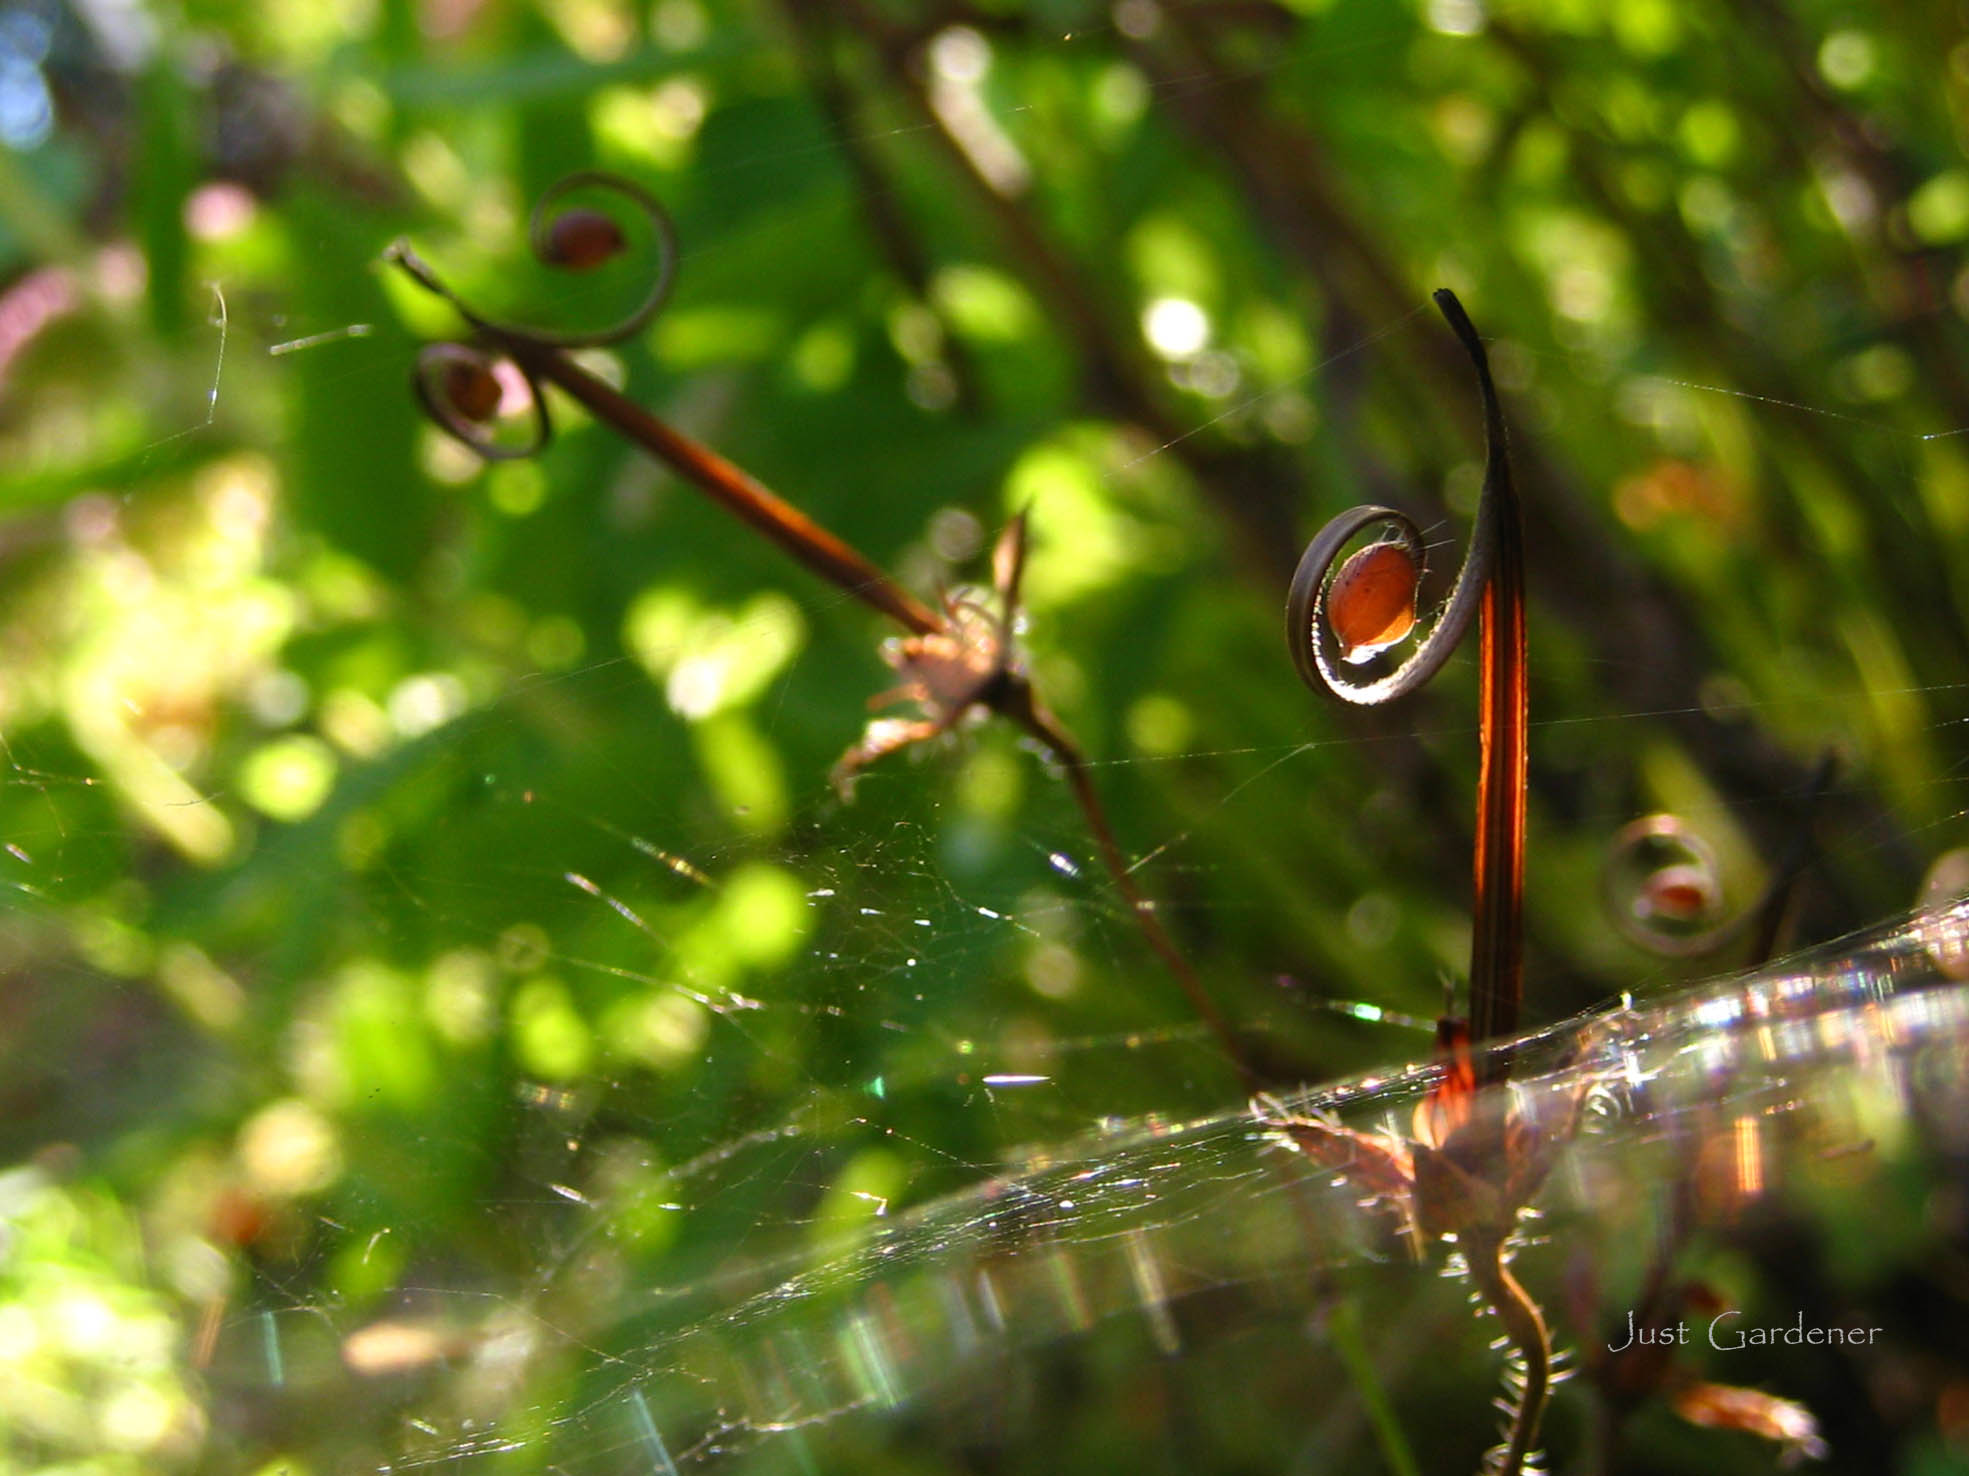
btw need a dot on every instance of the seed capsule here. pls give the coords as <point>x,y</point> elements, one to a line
<point>472,389</point>
<point>1686,893</point>
<point>581,240</point>
<point>1371,602</point>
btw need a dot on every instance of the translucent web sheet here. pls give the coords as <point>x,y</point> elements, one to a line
<point>1744,1100</point>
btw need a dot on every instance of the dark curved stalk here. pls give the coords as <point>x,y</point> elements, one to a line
<point>541,357</point>
<point>1497,937</point>
<point>733,489</point>
<point>1491,583</point>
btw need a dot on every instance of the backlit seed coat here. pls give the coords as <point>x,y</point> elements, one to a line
<point>1371,603</point>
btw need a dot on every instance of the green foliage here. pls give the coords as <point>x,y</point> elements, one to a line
<point>424,874</point>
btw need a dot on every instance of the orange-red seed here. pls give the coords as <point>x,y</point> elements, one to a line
<point>1371,602</point>
<point>1681,894</point>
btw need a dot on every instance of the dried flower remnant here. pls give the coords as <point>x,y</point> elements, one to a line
<point>1784,1422</point>
<point>1473,1163</point>
<point>1646,1358</point>
<point>970,666</point>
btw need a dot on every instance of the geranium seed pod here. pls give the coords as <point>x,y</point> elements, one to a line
<point>472,389</point>
<point>1371,602</point>
<point>581,239</point>
<point>1678,894</point>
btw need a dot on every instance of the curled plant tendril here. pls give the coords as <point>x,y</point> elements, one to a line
<point>1662,891</point>
<point>1320,642</point>
<point>1335,619</point>
<point>1313,624</point>
<point>452,378</point>
<point>580,240</point>
<point>554,242</point>
<point>1661,888</point>
<point>452,383</point>
<point>461,389</point>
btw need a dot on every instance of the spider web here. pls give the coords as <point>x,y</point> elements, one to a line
<point>876,1137</point>
<point>967,1229</point>
<point>1182,1249</point>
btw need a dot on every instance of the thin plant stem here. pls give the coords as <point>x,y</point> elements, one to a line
<point>1524,1325</point>
<point>1498,927</point>
<point>731,488</point>
<point>1046,728</point>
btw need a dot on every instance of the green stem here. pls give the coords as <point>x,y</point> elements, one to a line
<point>1343,1326</point>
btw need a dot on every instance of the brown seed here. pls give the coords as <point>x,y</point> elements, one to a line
<point>581,240</point>
<point>472,389</point>
<point>1371,602</point>
<point>1678,894</point>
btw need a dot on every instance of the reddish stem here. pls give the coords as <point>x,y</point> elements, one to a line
<point>746,498</point>
<point>1024,709</point>
<point>1498,924</point>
